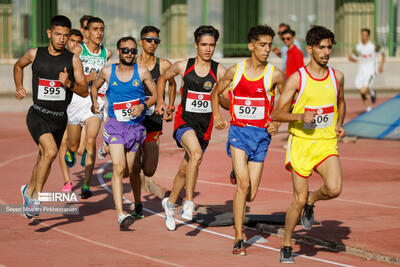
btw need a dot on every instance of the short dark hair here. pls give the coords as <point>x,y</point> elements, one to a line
<point>289,31</point>
<point>60,20</point>
<point>124,39</point>
<point>256,31</point>
<point>318,33</point>
<point>76,32</point>
<point>366,30</point>
<point>147,29</point>
<point>284,25</point>
<point>94,20</point>
<point>204,30</point>
<point>84,18</point>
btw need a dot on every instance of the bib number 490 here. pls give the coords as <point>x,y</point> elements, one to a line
<point>200,104</point>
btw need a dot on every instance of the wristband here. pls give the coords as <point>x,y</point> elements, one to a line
<point>145,105</point>
<point>72,85</point>
<point>171,108</point>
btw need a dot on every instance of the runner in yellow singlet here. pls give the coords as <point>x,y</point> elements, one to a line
<point>315,120</point>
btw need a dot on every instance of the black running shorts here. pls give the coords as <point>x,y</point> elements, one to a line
<point>40,123</point>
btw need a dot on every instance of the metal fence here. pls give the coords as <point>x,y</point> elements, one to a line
<point>127,17</point>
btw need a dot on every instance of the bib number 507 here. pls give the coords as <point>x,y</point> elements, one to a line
<point>247,110</point>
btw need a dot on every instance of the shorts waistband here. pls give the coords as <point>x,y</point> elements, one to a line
<point>47,111</point>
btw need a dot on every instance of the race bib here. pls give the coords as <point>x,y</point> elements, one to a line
<point>50,90</point>
<point>198,102</point>
<point>246,108</point>
<point>149,110</point>
<point>323,117</point>
<point>123,110</point>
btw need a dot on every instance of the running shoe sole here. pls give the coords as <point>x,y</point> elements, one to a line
<point>126,222</point>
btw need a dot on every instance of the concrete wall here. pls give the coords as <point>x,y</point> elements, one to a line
<point>389,80</point>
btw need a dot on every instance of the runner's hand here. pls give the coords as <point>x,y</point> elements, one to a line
<point>21,93</point>
<point>308,116</point>
<point>95,108</point>
<point>272,127</point>
<point>220,123</point>
<point>92,76</point>
<point>168,116</point>
<point>160,108</point>
<point>63,78</point>
<point>137,110</point>
<point>340,132</point>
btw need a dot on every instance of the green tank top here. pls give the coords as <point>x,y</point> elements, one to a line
<point>92,62</point>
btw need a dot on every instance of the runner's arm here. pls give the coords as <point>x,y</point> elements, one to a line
<point>80,87</point>
<point>220,87</point>
<point>104,76</point>
<point>109,53</point>
<point>164,66</point>
<point>341,104</point>
<point>223,101</point>
<point>278,81</point>
<point>19,66</point>
<point>382,62</point>
<point>151,85</point>
<point>171,72</point>
<point>281,112</point>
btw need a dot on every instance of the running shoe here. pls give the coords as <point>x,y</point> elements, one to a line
<point>187,210</point>
<point>83,159</point>
<point>232,177</point>
<point>85,192</point>
<point>67,187</point>
<point>169,214</point>
<point>373,95</point>
<point>307,218</point>
<point>286,255</point>
<point>124,221</point>
<point>138,211</point>
<point>70,159</point>
<point>102,153</point>
<point>369,109</point>
<point>239,249</point>
<point>31,206</point>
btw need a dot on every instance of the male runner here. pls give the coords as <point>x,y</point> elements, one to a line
<point>193,120</point>
<point>93,57</point>
<point>83,22</point>
<point>75,39</point>
<point>56,74</point>
<point>147,157</point>
<point>315,120</point>
<point>294,59</point>
<point>366,54</point>
<point>124,132</point>
<point>252,89</point>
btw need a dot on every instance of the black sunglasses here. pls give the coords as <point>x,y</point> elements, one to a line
<point>151,39</point>
<point>126,50</point>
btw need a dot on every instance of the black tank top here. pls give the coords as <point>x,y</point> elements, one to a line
<point>152,122</point>
<point>47,90</point>
<point>195,108</point>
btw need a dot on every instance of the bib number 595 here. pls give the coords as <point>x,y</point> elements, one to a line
<point>51,90</point>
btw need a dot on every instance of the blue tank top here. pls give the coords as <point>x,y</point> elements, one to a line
<point>122,96</point>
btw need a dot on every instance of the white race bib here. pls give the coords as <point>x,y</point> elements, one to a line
<point>149,110</point>
<point>50,90</point>
<point>246,108</point>
<point>198,102</point>
<point>323,117</point>
<point>123,110</point>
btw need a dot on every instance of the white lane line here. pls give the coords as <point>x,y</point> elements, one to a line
<point>102,183</point>
<point>105,245</point>
<point>4,163</point>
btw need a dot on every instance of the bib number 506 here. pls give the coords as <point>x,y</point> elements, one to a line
<point>320,119</point>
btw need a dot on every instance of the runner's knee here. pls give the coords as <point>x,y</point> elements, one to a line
<point>196,156</point>
<point>300,199</point>
<point>333,191</point>
<point>50,154</point>
<point>119,169</point>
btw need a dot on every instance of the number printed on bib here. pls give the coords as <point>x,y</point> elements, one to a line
<point>50,90</point>
<point>149,110</point>
<point>198,102</point>
<point>323,117</point>
<point>123,110</point>
<point>247,108</point>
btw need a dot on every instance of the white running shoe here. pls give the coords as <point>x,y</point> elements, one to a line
<point>369,109</point>
<point>124,221</point>
<point>102,153</point>
<point>187,210</point>
<point>169,214</point>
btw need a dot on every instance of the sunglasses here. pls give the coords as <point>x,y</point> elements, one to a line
<point>287,39</point>
<point>151,39</point>
<point>126,50</point>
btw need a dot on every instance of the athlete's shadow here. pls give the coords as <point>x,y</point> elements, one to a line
<point>331,233</point>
